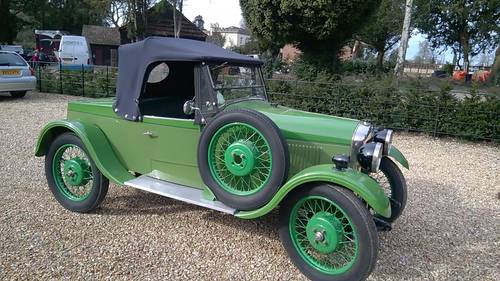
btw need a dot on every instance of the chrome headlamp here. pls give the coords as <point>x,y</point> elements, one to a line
<point>384,137</point>
<point>370,155</point>
<point>361,135</point>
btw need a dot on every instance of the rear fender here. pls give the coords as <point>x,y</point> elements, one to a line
<point>95,142</point>
<point>359,183</point>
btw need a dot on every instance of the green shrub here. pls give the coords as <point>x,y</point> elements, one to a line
<point>414,108</point>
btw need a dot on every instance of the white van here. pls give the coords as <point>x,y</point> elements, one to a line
<point>74,50</point>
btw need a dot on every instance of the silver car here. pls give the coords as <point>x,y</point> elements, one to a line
<point>16,76</point>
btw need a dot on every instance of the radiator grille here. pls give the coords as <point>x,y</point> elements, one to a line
<point>303,156</point>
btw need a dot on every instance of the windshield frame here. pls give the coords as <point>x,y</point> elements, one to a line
<point>258,69</point>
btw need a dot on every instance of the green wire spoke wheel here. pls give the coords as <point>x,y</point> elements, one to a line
<point>328,233</point>
<point>72,172</point>
<point>240,159</point>
<point>73,177</point>
<point>392,181</point>
<point>243,158</point>
<point>323,235</point>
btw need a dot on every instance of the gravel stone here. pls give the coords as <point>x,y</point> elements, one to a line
<point>450,229</point>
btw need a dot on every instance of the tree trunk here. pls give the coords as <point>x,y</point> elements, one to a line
<point>495,69</point>
<point>380,59</point>
<point>465,50</point>
<point>398,70</point>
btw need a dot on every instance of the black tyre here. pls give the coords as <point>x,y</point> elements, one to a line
<point>72,176</point>
<point>391,179</point>
<point>243,158</point>
<point>328,233</point>
<point>18,94</point>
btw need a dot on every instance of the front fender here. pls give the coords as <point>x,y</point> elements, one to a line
<point>95,142</point>
<point>358,182</point>
<point>398,156</point>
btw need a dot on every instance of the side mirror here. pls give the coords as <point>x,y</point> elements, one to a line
<point>188,107</point>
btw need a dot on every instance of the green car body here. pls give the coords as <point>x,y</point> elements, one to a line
<point>193,122</point>
<point>166,148</point>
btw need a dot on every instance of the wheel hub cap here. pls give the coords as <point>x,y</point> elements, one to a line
<point>240,157</point>
<point>76,172</point>
<point>324,232</point>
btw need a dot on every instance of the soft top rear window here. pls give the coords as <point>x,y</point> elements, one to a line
<point>10,59</point>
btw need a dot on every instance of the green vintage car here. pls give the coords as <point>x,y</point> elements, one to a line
<point>193,122</point>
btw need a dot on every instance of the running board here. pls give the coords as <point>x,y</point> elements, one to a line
<point>179,192</point>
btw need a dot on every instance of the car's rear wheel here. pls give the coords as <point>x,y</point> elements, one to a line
<point>73,177</point>
<point>243,158</point>
<point>18,94</point>
<point>328,233</point>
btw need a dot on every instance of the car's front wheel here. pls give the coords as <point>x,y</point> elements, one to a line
<point>328,233</point>
<point>393,183</point>
<point>73,177</point>
<point>18,94</point>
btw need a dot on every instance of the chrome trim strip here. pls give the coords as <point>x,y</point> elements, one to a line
<point>377,157</point>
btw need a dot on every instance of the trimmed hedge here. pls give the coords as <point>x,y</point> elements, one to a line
<point>377,101</point>
<point>413,109</point>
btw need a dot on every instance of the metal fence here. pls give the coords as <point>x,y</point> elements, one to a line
<point>79,80</point>
<point>467,113</point>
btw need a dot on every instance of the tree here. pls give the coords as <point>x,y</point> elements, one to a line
<point>469,27</point>
<point>177,5</point>
<point>318,28</point>
<point>384,28</point>
<point>114,11</point>
<point>8,22</point>
<point>251,47</point>
<point>495,69</point>
<point>405,35</point>
<point>216,37</point>
<point>68,15</point>
<point>425,53</point>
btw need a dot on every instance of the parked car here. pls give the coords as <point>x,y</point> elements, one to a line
<point>193,122</point>
<point>74,50</point>
<point>16,76</point>
<point>13,48</point>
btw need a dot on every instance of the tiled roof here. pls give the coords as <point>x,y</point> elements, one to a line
<point>101,35</point>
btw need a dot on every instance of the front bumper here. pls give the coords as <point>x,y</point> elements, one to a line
<point>24,83</point>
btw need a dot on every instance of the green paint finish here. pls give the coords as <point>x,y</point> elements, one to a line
<point>99,107</point>
<point>323,235</point>
<point>208,194</point>
<point>240,159</point>
<point>71,172</point>
<point>324,232</point>
<point>95,142</point>
<point>306,154</point>
<point>174,172</point>
<point>76,171</point>
<point>396,154</point>
<point>166,148</point>
<point>305,126</point>
<point>360,183</point>
<point>164,144</point>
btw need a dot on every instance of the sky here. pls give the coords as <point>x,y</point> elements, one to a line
<point>225,12</point>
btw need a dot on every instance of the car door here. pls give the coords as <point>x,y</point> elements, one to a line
<point>172,145</point>
<point>67,50</point>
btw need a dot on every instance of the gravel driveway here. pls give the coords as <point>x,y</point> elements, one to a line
<point>449,231</point>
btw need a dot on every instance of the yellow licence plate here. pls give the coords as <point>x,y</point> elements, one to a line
<point>10,72</point>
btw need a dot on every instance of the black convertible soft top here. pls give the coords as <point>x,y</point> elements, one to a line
<point>135,58</point>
